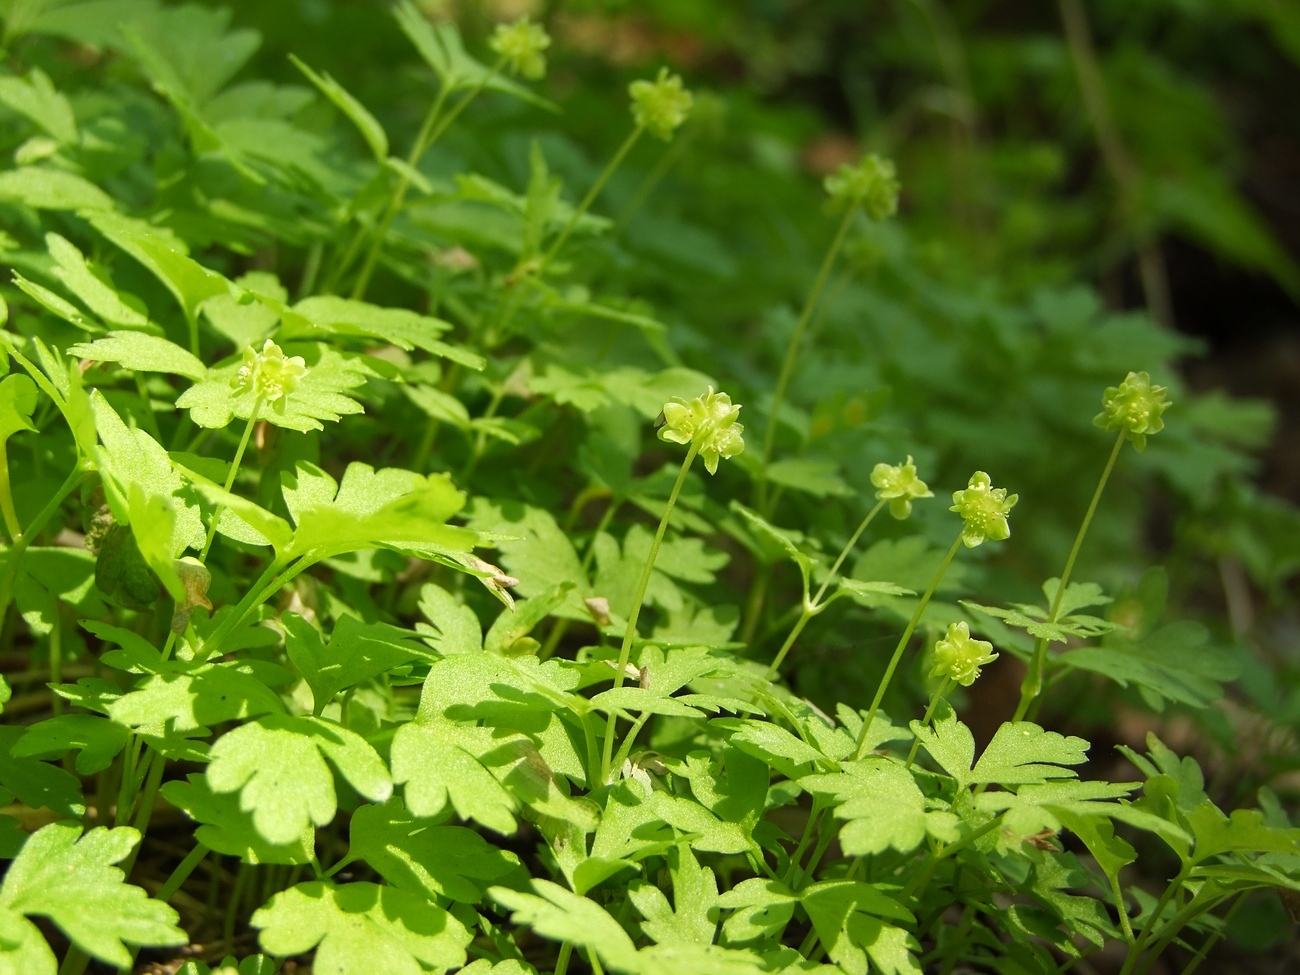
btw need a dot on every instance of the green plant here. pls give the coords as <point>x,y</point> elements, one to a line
<point>379,747</point>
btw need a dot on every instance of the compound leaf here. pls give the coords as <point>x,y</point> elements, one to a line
<point>362,928</point>
<point>562,915</point>
<point>70,879</point>
<point>438,861</point>
<point>225,827</point>
<point>355,653</point>
<point>277,763</point>
<point>1022,752</point>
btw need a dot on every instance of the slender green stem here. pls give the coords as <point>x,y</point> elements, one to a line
<point>754,604</point>
<point>310,269</point>
<point>193,324</point>
<point>921,878</point>
<point>12,525</point>
<point>902,645</point>
<point>792,350</point>
<point>625,651</point>
<point>396,198</point>
<point>615,161</point>
<point>150,421</point>
<point>562,962</point>
<point>480,441</point>
<point>1153,921</point>
<point>148,796</point>
<point>938,694</point>
<point>809,827</point>
<point>1213,939</point>
<point>230,478</point>
<point>56,659</point>
<point>807,613</point>
<point>666,162</point>
<point>25,538</point>
<point>1033,682</point>
<point>1122,909</point>
<point>255,595</point>
<point>594,960</point>
<point>242,879</point>
<point>430,132</point>
<point>625,749</point>
<point>844,552</point>
<point>74,962</point>
<point>126,791</point>
<point>1175,927</point>
<point>182,872</point>
<point>824,841</point>
<point>814,606</point>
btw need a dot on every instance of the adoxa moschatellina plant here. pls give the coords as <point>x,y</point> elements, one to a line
<point>369,764</point>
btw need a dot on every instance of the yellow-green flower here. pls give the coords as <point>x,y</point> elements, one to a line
<point>959,658</point>
<point>662,105</point>
<point>872,182</point>
<point>521,45</point>
<point>708,422</point>
<point>984,509</point>
<point>270,373</point>
<point>1133,406</point>
<point>898,484</point>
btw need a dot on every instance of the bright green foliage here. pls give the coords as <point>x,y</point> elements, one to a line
<point>359,434</point>
<point>561,915</point>
<point>361,928</point>
<point>17,401</point>
<point>70,879</point>
<point>355,653</point>
<point>277,764</point>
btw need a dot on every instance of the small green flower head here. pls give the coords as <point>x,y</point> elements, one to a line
<point>271,374</point>
<point>1133,406</point>
<point>898,484</point>
<point>984,508</point>
<point>959,658</point>
<point>521,45</point>
<point>709,422</point>
<point>662,105</point>
<point>872,183</point>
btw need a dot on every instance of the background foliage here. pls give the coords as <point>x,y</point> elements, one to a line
<point>1088,189</point>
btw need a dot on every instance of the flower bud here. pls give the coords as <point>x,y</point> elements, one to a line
<point>521,45</point>
<point>662,105</point>
<point>959,658</point>
<point>1133,406</point>
<point>984,509</point>
<point>898,484</point>
<point>708,422</point>
<point>871,183</point>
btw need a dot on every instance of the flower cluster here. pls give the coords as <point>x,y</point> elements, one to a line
<point>708,422</point>
<point>662,105</point>
<point>1133,406</point>
<point>984,509</point>
<point>521,45</point>
<point>899,485</point>
<point>872,183</point>
<point>271,374</point>
<point>959,658</point>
